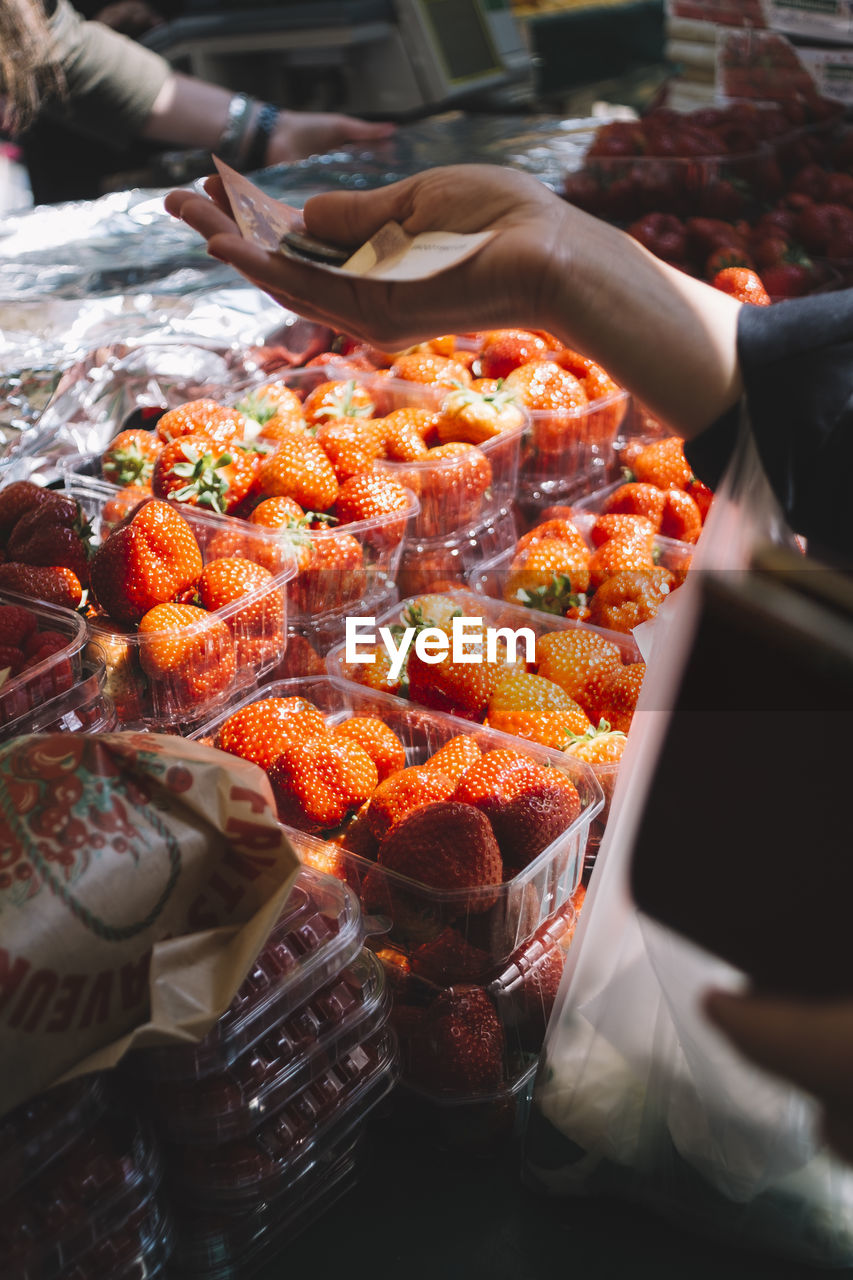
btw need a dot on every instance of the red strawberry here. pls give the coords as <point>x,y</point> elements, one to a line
<point>462,688</point>
<point>464,1044</point>
<point>452,488</point>
<point>534,999</point>
<point>379,741</point>
<point>702,496</point>
<point>548,575</point>
<point>637,499</point>
<point>118,507</point>
<point>130,456</point>
<point>562,528</point>
<point>272,400</point>
<point>337,399</point>
<point>318,781</point>
<point>260,731</point>
<point>332,575</point>
<point>299,469</point>
<point>51,584</point>
<point>629,598</point>
<point>543,384</point>
<point>257,625</point>
<point>662,463</point>
<point>187,651</point>
<point>682,518</point>
<point>597,746</point>
<point>202,417</point>
<point>445,845</point>
<point>743,284</point>
<point>432,370</point>
<point>11,659</point>
<point>405,432</point>
<point>146,560</point>
<point>16,499</point>
<point>17,623</point>
<point>624,527</point>
<point>403,792</point>
<point>192,471</point>
<point>372,496</point>
<point>621,555</point>
<point>617,699</point>
<point>37,640</point>
<point>352,445</point>
<point>505,349</point>
<point>455,756</point>
<point>476,415</point>
<point>53,533</point>
<point>531,706</point>
<point>374,675</point>
<point>449,958</point>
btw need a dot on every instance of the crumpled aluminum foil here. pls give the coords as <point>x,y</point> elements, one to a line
<point>78,277</point>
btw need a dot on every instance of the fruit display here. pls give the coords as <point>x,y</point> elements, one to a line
<point>42,648</point>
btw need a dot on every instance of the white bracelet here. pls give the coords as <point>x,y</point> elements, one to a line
<point>240,110</point>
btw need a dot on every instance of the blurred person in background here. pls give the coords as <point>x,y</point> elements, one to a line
<point>63,74</point>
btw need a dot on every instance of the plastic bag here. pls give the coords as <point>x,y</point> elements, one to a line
<point>637,1096</point>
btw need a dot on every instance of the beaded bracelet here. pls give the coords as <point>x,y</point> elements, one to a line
<point>264,125</point>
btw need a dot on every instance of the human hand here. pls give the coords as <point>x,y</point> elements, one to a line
<point>808,1042</point>
<point>130,17</point>
<point>512,280</point>
<point>299,134</point>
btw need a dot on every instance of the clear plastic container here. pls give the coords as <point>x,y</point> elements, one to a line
<point>103,1181</point>
<point>494,919</point>
<point>561,446</point>
<point>254,635</point>
<point>489,578</point>
<point>427,563</point>
<point>231,1246</point>
<point>318,933</point>
<point>85,708</point>
<point>237,1175</point>
<point>671,551</point>
<point>55,674</point>
<point>137,1249</point>
<point>38,1132</point>
<point>232,1104</point>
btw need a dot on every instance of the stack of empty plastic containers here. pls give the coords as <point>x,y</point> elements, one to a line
<point>259,1124</point>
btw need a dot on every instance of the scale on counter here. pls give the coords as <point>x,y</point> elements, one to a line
<point>392,57</point>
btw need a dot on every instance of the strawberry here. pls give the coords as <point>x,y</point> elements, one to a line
<point>374,675</point>
<point>11,659</point>
<point>624,527</point>
<point>146,560</point>
<point>682,518</point>
<point>272,400</point>
<point>621,555</point>
<point>402,792</point>
<point>352,445</point>
<point>548,575</point>
<point>357,837</point>
<point>299,469</point>
<point>52,584</point>
<point>432,370</point>
<point>257,625</point>
<point>278,428</point>
<point>16,499</point>
<point>372,497</point>
<point>618,694</point>
<point>377,739</point>
<point>743,284</point>
<point>544,385</point>
<point>562,528</point>
<point>187,650</point>
<point>431,609</point>
<point>662,463</point>
<point>404,433</point>
<point>17,624</point>
<point>318,781</point>
<point>333,574</point>
<point>450,958</point>
<point>505,349</point>
<point>130,456</point>
<point>457,755</point>
<point>452,488</point>
<point>118,507</point>
<point>534,999</point>
<point>702,496</point>
<point>278,513</point>
<point>54,533</point>
<point>629,598</point>
<point>464,1044</point>
<point>637,499</point>
<point>260,731</point>
<point>202,417</point>
<point>300,659</point>
<point>461,688</point>
<point>37,640</point>
<point>601,745</point>
<point>579,661</point>
<point>189,470</point>
<point>348,399</point>
<point>445,845</point>
<point>530,706</point>
<point>475,416</point>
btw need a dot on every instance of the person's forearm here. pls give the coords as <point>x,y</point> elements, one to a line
<point>625,309</point>
<point>192,113</point>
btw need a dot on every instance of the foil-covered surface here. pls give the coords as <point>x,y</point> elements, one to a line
<point>118,273</point>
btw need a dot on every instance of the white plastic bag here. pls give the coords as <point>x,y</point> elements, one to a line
<point>637,1095</point>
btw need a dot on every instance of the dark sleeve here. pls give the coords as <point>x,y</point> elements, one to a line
<point>797,364</point>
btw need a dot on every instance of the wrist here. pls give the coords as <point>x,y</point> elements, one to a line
<point>264,123</point>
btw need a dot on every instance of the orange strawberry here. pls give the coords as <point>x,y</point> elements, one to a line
<point>276,429</point>
<point>432,370</point>
<point>530,706</point>
<point>505,349</point>
<point>621,555</point>
<point>461,688</point>
<point>618,694</point>
<point>743,284</point>
<point>256,625</point>
<point>318,781</point>
<point>445,845</point>
<point>333,575</point>
<point>278,513</point>
<point>299,469</point>
<point>457,755</point>
<point>629,598</point>
<point>130,456</point>
<point>682,518</point>
<point>431,609</point>
<point>624,527</point>
<point>370,497</point>
<point>475,416</point>
<point>404,433</point>
<point>601,745</point>
<point>702,496</point>
<point>663,463</point>
<point>189,470</point>
<point>260,731</point>
<point>548,575</point>
<point>453,487</point>
<point>352,445</point>
<point>374,675</point>
<point>579,661</point>
<point>337,399</point>
<point>53,584</point>
<point>202,417</point>
<point>273,400</point>
<point>637,499</point>
<point>147,560</point>
<point>402,792</point>
<point>187,650</point>
<point>379,741</point>
<point>542,384</point>
<point>562,528</point>
<point>116,508</point>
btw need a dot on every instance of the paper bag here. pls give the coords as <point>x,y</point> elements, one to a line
<point>140,874</point>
